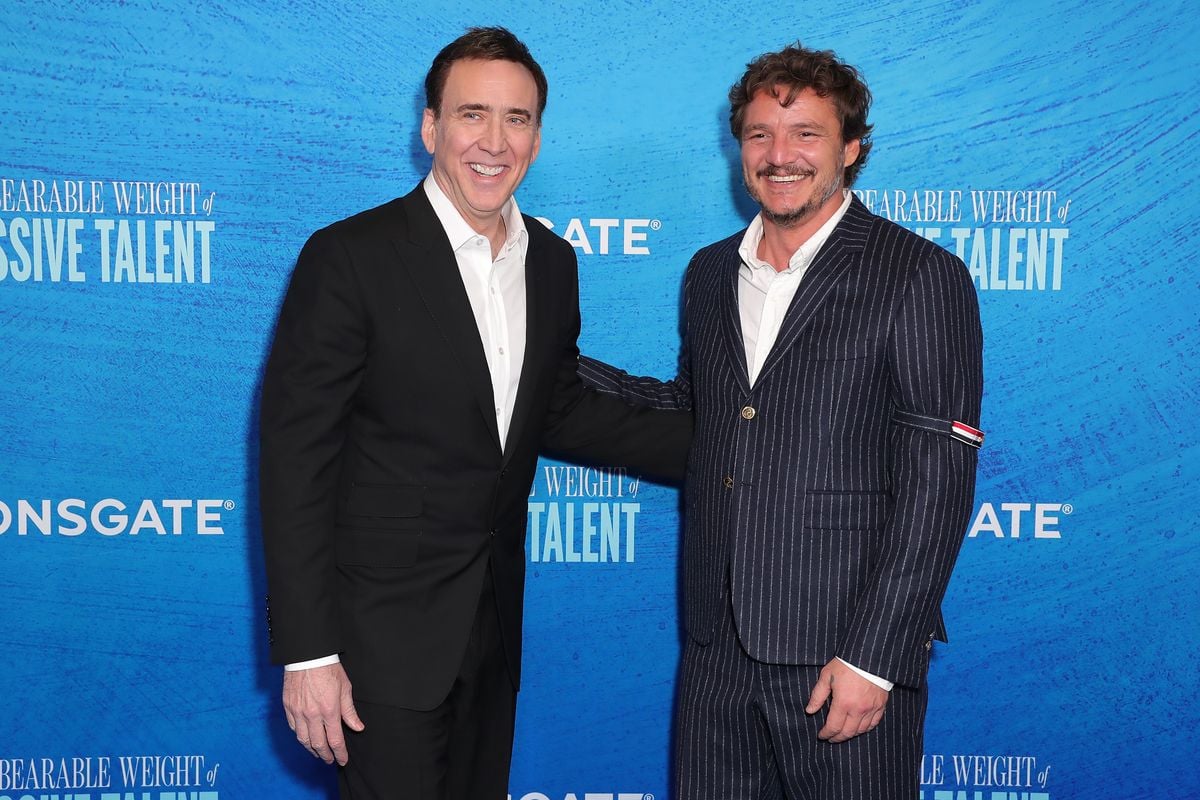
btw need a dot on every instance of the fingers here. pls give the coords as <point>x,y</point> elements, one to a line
<point>820,693</point>
<point>315,702</point>
<point>855,704</point>
<point>351,718</point>
<point>319,744</point>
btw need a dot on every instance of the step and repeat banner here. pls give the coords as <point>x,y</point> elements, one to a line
<point>162,163</point>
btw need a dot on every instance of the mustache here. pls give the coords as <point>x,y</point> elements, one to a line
<point>785,171</point>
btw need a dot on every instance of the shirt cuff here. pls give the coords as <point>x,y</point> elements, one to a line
<point>886,685</point>
<point>317,662</point>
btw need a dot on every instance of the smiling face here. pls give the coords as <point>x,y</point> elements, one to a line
<point>793,158</point>
<point>483,138</point>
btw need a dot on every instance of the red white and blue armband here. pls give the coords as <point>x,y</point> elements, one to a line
<point>959,431</point>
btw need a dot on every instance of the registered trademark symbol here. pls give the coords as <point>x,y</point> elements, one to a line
<point>229,505</point>
<point>1067,508</point>
<point>647,795</point>
<point>654,225</point>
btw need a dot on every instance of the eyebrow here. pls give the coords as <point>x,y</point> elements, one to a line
<point>485,107</point>
<point>805,125</point>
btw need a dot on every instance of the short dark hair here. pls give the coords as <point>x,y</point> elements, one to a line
<point>481,44</point>
<point>795,68</point>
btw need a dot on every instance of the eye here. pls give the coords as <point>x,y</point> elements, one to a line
<point>518,121</point>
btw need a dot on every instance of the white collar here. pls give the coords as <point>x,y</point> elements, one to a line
<point>457,230</point>
<point>804,254</point>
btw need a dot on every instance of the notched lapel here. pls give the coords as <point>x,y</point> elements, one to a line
<point>426,255</point>
<point>535,266</point>
<point>731,319</point>
<point>841,252</point>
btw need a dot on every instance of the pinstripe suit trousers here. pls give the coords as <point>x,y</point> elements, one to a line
<point>743,733</point>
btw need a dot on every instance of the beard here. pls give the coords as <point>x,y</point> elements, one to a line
<point>791,217</point>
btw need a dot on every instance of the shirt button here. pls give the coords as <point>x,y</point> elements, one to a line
<point>501,351</point>
<point>728,482</point>
<point>748,412</point>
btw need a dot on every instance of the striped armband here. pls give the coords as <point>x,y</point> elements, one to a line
<point>960,431</point>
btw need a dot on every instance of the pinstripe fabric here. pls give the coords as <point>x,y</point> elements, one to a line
<point>834,510</point>
<point>755,742</point>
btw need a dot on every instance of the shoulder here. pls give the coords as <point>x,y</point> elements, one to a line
<point>717,255</point>
<point>899,248</point>
<point>367,226</point>
<point>545,240</point>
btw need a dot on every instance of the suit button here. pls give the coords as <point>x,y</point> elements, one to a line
<point>492,532</point>
<point>748,412</point>
<point>728,482</point>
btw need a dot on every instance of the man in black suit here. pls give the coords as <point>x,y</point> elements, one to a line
<point>424,353</point>
<point>833,362</point>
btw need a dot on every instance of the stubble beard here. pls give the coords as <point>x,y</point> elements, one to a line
<point>791,217</point>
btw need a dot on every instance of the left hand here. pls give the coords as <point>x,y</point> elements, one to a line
<point>855,704</point>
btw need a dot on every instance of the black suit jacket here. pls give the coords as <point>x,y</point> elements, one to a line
<point>385,489</point>
<point>831,497</point>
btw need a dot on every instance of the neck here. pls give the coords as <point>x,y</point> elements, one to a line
<point>780,242</point>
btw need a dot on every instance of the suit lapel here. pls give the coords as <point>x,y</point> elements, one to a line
<point>425,252</point>
<point>534,292</point>
<point>731,319</point>
<point>841,252</point>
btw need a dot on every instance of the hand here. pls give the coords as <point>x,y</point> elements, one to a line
<point>856,706</point>
<point>316,702</point>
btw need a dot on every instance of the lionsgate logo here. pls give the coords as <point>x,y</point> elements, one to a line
<point>618,236</point>
<point>583,796</point>
<point>73,516</point>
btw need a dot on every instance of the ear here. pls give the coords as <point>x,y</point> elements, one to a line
<point>428,123</point>
<point>849,152</point>
<point>537,143</point>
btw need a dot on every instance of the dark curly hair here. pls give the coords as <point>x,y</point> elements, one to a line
<point>792,70</point>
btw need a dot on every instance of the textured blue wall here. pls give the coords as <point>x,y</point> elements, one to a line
<point>1072,612</point>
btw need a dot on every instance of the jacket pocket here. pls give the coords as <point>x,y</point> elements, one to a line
<point>381,506</point>
<point>846,511</point>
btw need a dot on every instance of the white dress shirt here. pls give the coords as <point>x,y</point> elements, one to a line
<point>764,296</point>
<point>496,291</point>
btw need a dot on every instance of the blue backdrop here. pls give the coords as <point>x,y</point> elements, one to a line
<point>162,164</point>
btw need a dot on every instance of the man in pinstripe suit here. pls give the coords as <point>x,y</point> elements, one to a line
<point>833,363</point>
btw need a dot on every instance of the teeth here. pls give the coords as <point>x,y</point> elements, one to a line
<point>784,178</point>
<point>485,170</point>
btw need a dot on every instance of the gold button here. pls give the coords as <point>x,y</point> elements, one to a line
<point>748,412</point>
<point>728,482</point>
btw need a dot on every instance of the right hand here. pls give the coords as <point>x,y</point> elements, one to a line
<point>317,701</point>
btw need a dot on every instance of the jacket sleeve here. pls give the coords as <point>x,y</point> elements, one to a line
<point>934,357</point>
<point>643,391</point>
<point>313,372</point>
<point>603,427</point>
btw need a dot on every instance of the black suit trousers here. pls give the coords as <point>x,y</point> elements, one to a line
<point>459,750</point>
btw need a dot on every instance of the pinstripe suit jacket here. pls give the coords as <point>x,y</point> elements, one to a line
<point>830,497</point>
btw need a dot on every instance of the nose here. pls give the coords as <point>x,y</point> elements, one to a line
<point>493,140</point>
<point>781,151</point>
